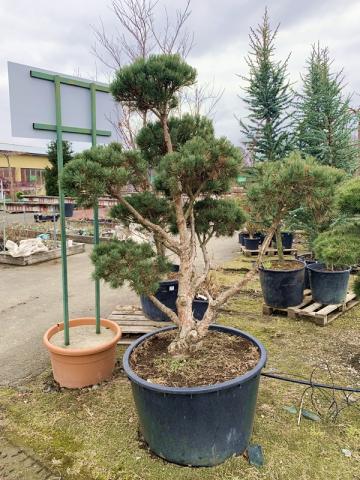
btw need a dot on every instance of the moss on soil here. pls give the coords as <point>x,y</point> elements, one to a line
<point>93,434</point>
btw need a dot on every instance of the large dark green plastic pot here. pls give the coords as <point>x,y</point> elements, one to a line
<point>283,288</point>
<point>328,287</point>
<point>197,426</point>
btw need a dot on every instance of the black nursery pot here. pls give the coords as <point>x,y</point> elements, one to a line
<point>326,286</point>
<point>283,288</point>
<point>166,294</point>
<point>197,426</point>
<point>287,239</point>
<point>260,235</point>
<point>69,209</point>
<point>252,243</point>
<point>199,307</point>
<point>242,236</point>
<point>307,274</point>
<point>307,261</point>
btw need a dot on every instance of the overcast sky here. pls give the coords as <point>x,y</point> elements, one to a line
<point>58,36</point>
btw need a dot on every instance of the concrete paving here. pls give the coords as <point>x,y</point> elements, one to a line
<point>30,302</point>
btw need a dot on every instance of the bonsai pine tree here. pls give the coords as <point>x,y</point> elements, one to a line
<point>51,173</point>
<point>180,204</point>
<point>283,186</point>
<point>325,122</point>
<point>268,127</point>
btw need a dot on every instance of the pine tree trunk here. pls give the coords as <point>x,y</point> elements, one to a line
<point>279,245</point>
<point>188,335</point>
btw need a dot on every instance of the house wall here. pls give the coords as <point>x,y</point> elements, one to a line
<point>19,161</point>
<point>23,178</point>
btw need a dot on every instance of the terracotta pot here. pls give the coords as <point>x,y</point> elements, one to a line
<point>77,368</point>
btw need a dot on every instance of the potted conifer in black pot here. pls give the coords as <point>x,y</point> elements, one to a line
<point>337,249</point>
<point>281,187</point>
<point>200,380</point>
<point>329,277</point>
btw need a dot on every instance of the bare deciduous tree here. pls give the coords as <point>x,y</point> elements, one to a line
<point>202,99</point>
<point>137,36</point>
<point>140,32</point>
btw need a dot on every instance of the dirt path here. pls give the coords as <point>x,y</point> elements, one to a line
<point>30,302</point>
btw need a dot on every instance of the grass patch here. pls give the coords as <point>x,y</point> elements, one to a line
<point>93,434</point>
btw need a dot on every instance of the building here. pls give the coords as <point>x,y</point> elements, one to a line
<point>22,169</point>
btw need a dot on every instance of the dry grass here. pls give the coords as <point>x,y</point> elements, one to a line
<point>92,434</point>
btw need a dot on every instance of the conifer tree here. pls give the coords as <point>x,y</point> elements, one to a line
<point>191,171</point>
<point>325,122</point>
<point>268,126</point>
<point>51,173</point>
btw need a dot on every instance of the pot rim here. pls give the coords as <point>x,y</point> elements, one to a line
<point>163,389</point>
<point>262,268</point>
<point>167,283</point>
<point>78,352</point>
<point>321,268</point>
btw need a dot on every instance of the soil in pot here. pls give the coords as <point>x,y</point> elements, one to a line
<point>221,358</point>
<point>83,336</point>
<point>282,283</point>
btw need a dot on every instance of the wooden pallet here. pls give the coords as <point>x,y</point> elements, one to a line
<point>270,251</point>
<point>315,312</point>
<point>133,323</point>
<point>40,257</point>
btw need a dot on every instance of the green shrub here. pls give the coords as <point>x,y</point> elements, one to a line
<point>339,247</point>
<point>348,197</point>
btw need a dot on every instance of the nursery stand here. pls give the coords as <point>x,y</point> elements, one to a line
<point>317,313</point>
<point>40,257</point>
<point>133,323</point>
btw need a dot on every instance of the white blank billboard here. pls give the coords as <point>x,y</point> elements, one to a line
<point>32,100</point>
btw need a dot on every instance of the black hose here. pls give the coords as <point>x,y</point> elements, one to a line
<point>311,384</point>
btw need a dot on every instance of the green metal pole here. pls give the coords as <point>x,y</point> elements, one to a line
<point>4,213</point>
<point>96,207</point>
<point>60,163</point>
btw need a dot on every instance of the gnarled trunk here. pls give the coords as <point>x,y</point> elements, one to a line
<point>188,335</point>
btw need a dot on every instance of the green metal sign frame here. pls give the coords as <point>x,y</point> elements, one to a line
<point>60,129</point>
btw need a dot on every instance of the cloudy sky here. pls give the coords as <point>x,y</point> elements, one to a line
<point>59,35</point>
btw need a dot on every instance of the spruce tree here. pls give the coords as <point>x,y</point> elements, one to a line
<point>268,127</point>
<point>325,122</point>
<point>51,173</point>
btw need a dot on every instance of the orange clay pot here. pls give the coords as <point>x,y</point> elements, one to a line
<point>77,368</point>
